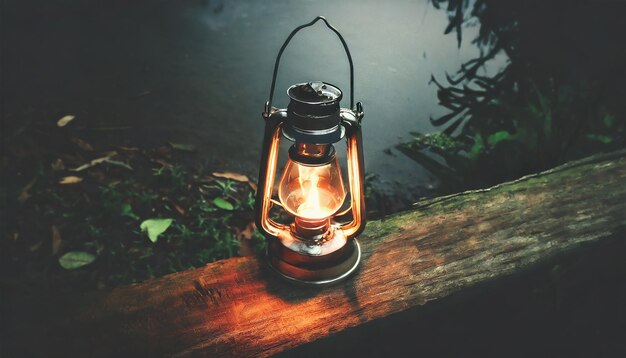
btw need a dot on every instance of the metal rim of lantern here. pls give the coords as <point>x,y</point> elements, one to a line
<point>313,251</point>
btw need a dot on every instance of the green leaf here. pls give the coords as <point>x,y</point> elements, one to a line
<point>207,208</point>
<point>477,148</point>
<point>127,210</point>
<point>223,204</point>
<point>184,147</point>
<point>75,259</point>
<point>604,139</point>
<point>155,227</point>
<point>498,137</point>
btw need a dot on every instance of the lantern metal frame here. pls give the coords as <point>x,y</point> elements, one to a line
<point>293,258</point>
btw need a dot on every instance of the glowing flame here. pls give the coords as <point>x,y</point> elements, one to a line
<point>309,186</point>
<point>312,192</point>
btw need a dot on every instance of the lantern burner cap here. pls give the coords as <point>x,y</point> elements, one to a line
<point>315,93</point>
<point>313,114</point>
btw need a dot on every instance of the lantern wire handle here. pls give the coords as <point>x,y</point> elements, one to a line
<point>280,53</point>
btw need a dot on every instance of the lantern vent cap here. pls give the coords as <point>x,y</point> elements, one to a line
<point>315,93</point>
<point>314,113</point>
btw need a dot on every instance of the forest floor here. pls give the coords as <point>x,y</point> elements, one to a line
<point>82,215</point>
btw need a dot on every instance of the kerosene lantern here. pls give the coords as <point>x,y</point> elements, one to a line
<point>318,247</point>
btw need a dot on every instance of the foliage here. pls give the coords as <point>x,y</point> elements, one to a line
<point>75,259</point>
<point>546,106</point>
<point>154,227</point>
<point>223,204</point>
<point>134,214</point>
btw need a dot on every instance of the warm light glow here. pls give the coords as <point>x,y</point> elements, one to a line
<point>312,192</point>
<point>356,187</point>
<point>309,181</point>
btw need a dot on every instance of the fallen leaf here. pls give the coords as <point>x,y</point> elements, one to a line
<point>82,144</point>
<point>65,120</point>
<point>155,227</point>
<point>70,180</point>
<point>82,167</point>
<point>231,175</point>
<point>57,165</point>
<point>75,259</point>
<point>129,149</point>
<point>118,163</point>
<point>180,210</point>
<point>163,163</point>
<point>253,186</point>
<point>94,162</point>
<point>56,240</point>
<point>223,204</point>
<point>108,156</point>
<point>35,246</point>
<point>183,147</point>
<point>24,194</point>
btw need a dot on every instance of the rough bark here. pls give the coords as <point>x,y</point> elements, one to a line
<point>236,307</point>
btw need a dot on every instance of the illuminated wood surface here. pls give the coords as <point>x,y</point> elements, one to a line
<point>236,307</point>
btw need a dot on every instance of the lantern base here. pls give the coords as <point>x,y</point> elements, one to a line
<point>305,270</point>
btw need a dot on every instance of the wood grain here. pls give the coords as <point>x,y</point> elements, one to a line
<point>236,307</point>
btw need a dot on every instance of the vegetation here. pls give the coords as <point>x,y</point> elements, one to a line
<point>559,97</point>
<point>127,215</point>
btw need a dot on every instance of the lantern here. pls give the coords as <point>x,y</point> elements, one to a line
<point>318,246</point>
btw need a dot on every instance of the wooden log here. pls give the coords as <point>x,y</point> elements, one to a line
<point>236,307</point>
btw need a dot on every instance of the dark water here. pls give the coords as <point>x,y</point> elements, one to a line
<point>199,71</point>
